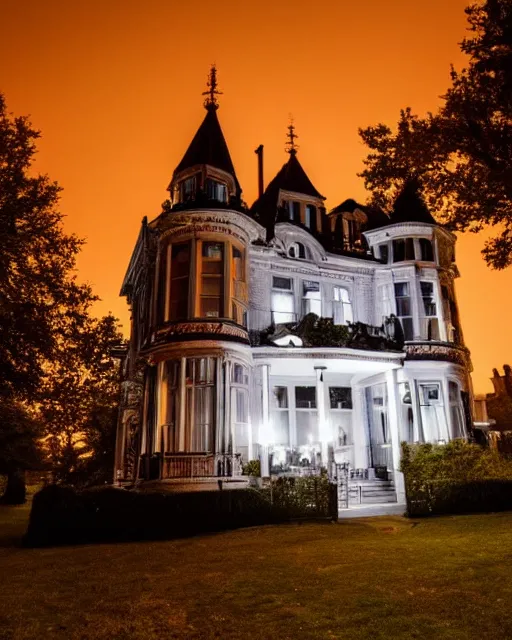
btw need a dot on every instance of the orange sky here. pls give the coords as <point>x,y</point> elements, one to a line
<point>115,87</point>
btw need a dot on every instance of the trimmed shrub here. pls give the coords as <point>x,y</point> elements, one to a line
<point>61,515</point>
<point>455,478</point>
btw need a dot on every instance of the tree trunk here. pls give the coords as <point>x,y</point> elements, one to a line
<point>15,492</point>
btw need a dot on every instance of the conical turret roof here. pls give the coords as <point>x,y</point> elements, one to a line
<point>410,205</point>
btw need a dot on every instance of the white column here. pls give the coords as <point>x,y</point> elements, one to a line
<point>323,426</point>
<point>394,430</point>
<point>264,432</point>
<point>359,428</point>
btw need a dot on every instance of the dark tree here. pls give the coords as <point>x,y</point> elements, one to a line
<point>19,451</point>
<point>462,153</point>
<point>38,291</point>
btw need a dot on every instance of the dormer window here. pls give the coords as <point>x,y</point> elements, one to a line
<point>297,250</point>
<point>216,190</point>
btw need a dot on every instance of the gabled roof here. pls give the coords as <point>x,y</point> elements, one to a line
<point>208,147</point>
<point>291,177</point>
<point>410,205</point>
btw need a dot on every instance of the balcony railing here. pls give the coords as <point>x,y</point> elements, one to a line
<point>200,465</point>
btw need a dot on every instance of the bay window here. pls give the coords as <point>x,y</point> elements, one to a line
<point>282,300</point>
<point>212,280</point>
<point>200,404</point>
<point>433,418</point>
<point>429,321</point>
<point>311,298</point>
<point>456,410</point>
<point>341,306</point>
<point>179,286</point>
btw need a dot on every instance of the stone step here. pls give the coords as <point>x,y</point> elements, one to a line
<point>379,499</point>
<point>369,494</point>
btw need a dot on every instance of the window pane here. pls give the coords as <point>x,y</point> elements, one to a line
<point>281,283</point>
<point>409,249</point>
<point>401,289</point>
<point>279,398</point>
<point>305,397</point>
<point>239,373</point>
<point>398,250</point>
<point>384,252</point>
<point>213,250</point>
<point>407,328</point>
<point>427,252</point>
<point>340,397</point>
<point>180,265</point>
<point>211,307</point>
<point>211,286</point>
<point>280,428</point>
<point>307,427</point>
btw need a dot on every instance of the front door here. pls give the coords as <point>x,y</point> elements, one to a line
<point>379,449</point>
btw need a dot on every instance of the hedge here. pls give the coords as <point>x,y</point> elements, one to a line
<point>63,515</point>
<point>455,478</point>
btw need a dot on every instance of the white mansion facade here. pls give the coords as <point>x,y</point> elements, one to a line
<point>284,333</point>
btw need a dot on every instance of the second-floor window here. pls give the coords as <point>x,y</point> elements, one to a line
<point>282,300</point>
<point>429,321</point>
<point>404,308</point>
<point>311,298</point>
<point>341,306</point>
<point>180,270</point>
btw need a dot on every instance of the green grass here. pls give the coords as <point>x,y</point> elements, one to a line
<point>380,578</point>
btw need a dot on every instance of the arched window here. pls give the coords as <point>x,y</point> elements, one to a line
<point>297,250</point>
<point>342,306</point>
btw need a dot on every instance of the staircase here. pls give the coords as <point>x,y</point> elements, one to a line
<point>371,492</point>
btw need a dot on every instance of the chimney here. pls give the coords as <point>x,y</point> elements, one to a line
<point>259,153</point>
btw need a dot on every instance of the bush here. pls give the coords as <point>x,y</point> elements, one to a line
<point>307,497</point>
<point>455,478</point>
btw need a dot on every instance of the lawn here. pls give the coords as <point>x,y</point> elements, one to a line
<point>380,578</point>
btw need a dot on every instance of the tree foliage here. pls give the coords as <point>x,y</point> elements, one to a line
<point>38,288</point>
<point>78,401</point>
<point>462,154</point>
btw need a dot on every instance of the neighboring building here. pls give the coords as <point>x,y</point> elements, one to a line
<point>286,333</point>
<point>495,409</point>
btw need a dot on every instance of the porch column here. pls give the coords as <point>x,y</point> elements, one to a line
<point>359,428</point>
<point>323,426</point>
<point>264,431</point>
<point>394,430</point>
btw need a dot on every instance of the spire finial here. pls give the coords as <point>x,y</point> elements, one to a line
<point>291,146</point>
<point>211,94</point>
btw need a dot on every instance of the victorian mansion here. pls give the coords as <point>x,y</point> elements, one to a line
<point>304,338</point>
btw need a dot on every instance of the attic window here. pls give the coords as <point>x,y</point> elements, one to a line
<point>297,250</point>
<point>216,190</point>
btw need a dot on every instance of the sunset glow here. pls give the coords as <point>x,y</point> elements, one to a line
<point>115,87</point>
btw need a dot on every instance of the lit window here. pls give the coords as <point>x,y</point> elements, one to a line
<point>403,308</point>
<point>282,300</point>
<point>429,321</point>
<point>432,412</point>
<point>341,306</point>
<point>426,250</point>
<point>200,404</point>
<point>456,410</point>
<point>279,411</point>
<point>216,190</point>
<point>311,299</point>
<point>306,416</point>
<point>403,249</point>
<point>180,269</point>
<point>297,250</point>
<point>212,280</point>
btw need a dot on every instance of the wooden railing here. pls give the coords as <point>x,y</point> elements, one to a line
<point>201,465</point>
